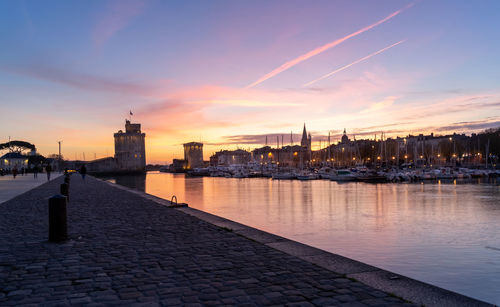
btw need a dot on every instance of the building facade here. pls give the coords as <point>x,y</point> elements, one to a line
<point>230,157</point>
<point>130,149</point>
<point>193,155</point>
<point>13,160</point>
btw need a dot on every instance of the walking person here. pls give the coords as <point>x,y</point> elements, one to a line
<point>48,169</point>
<point>83,171</point>
<point>14,172</point>
<point>35,171</point>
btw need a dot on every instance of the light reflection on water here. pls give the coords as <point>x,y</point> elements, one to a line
<point>444,234</point>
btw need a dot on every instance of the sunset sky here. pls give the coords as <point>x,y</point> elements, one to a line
<point>230,72</point>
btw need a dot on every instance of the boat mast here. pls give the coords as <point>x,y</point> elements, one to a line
<point>329,151</point>
<point>487,152</point>
<point>278,148</point>
<point>397,152</point>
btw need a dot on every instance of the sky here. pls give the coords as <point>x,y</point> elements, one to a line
<point>228,73</point>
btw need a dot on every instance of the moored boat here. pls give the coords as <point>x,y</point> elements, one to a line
<point>343,175</point>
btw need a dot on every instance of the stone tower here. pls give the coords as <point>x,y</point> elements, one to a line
<point>130,150</point>
<point>193,155</point>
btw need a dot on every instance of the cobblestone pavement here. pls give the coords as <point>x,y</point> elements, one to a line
<point>126,250</point>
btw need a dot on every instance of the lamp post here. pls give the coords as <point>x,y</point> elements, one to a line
<point>59,163</point>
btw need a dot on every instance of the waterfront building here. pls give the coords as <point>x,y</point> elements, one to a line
<point>178,166</point>
<point>292,155</point>
<point>193,155</point>
<point>15,158</point>
<point>12,160</point>
<point>230,157</point>
<point>130,149</point>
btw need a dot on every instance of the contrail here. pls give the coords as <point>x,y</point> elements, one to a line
<point>353,63</point>
<point>323,48</point>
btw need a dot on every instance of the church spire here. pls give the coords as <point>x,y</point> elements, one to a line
<point>304,140</point>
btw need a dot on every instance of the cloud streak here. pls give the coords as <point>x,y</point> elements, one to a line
<point>323,48</point>
<point>78,79</point>
<point>353,63</point>
<point>259,139</point>
<point>483,124</point>
<point>119,15</point>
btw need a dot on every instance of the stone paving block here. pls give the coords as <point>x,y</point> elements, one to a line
<point>19,292</point>
<point>345,298</point>
<point>352,304</point>
<point>300,304</point>
<point>80,300</point>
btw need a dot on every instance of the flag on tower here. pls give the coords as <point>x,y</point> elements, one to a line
<point>131,112</point>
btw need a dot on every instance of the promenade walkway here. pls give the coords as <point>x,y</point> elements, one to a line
<point>128,250</point>
<point>10,187</point>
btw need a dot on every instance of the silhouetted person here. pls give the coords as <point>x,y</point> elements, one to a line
<point>14,172</point>
<point>83,171</point>
<point>35,171</point>
<point>48,169</point>
<point>23,171</point>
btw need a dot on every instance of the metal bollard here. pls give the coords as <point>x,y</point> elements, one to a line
<point>58,225</point>
<point>65,190</point>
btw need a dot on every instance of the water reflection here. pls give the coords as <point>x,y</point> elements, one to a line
<point>444,233</point>
<point>137,181</point>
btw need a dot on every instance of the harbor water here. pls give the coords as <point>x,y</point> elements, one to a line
<point>443,233</point>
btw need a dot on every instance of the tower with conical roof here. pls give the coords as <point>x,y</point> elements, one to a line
<point>303,142</point>
<point>306,139</point>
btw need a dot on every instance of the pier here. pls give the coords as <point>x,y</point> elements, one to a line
<point>129,248</point>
